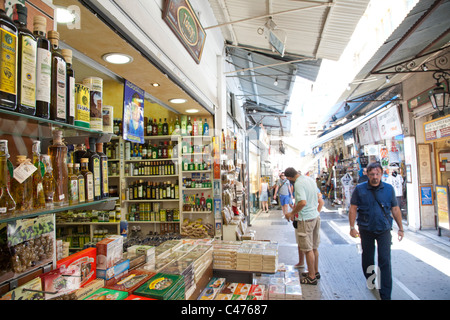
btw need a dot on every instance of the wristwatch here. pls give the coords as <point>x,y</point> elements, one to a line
<point>352,228</point>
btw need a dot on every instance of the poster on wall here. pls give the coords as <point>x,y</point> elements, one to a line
<point>133,113</point>
<point>374,129</point>
<point>389,123</point>
<point>437,129</point>
<point>424,156</point>
<point>365,134</point>
<point>426,195</point>
<point>442,206</point>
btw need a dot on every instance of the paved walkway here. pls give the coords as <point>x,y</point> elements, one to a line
<point>420,262</point>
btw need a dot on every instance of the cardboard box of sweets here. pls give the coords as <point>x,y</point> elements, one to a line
<point>109,251</point>
<point>131,281</point>
<point>58,282</point>
<point>19,293</point>
<point>162,287</point>
<point>84,260</point>
<point>107,294</point>
<point>114,271</point>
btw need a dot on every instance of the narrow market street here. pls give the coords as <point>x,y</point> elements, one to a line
<point>420,262</point>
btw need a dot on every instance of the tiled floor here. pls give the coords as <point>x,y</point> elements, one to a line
<point>421,265</point>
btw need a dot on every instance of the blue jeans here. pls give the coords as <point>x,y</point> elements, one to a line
<point>384,241</point>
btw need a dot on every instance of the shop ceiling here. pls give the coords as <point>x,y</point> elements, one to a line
<point>307,32</point>
<point>417,45</point>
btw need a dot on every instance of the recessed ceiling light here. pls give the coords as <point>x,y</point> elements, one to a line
<point>155,84</point>
<point>177,100</point>
<point>64,16</point>
<point>191,110</point>
<point>117,58</point>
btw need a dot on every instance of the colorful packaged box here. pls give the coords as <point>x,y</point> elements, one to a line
<point>107,294</point>
<point>114,271</point>
<point>21,293</point>
<point>131,281</point>
<point>89,289</point>
<point>84,260</point>
<point>213,288</point>
<point>58,282</point>
<point>257,292</point>
<point>162,287</point>
<point>109,252</point>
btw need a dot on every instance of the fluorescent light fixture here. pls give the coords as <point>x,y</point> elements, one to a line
<point>64,16</point>
<point>177,100</point>
<point>117,58</point>
<point>191,110</point>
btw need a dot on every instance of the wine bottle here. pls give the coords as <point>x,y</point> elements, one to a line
<point>43,67</point>
<point>58,105</point>
<point>8,62</point>
<point>26,62</point>
<point>70,85</point>
<point>7,203</point>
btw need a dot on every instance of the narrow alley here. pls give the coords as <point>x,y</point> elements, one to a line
<point>420,262</point>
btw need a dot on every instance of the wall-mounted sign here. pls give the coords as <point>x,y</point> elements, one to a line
<point>442,206</point>
<point>437,129</point>
<point>183,21</point>
<point>426,195</point>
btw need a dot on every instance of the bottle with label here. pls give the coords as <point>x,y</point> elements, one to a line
<point>176,127</point>
<point>43,67</point>
<point>22,191</point>
<point>81,183</point>
<point>94,167</point>
<point>7,203</point>
<point>8,62</point>
<point>26,63</point>
<point>88,179</point>
<point>48,180</point>
<point>209,203</point>
<point>149,127</point>
<point>103,171</point>
<point>80,150</point>
<point>160,128</point>
<point>206,128</point>
<point>165,128</point>
<point>189,127</point>
<point>70,85</point>
<point>58,105</point>
<point>58,158</point>
<point>171,126</point>
<point>154,128</point>
<point>73,185</point>
<point>195,128</point>
<point>38,186</point>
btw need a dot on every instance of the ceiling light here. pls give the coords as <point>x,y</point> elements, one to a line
<point>64,16</point>
<point>117,58</point>
<point>191,110</point>
<point>155,84</point>
<point>178,100</point>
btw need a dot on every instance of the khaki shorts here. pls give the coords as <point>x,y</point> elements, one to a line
<point>308,234</point>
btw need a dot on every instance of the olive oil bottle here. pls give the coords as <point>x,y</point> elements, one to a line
<point>22,191</point>
<point>7,203</point>
<point>48,180</point>
<point>58,157</point>
<point>70,84</point>
<point>88,179</point>
<point>94,167</point>
<point>26,62</point>
<point>58,105</point>
<point>73,185</point>
<point>8,62</point>
<point>38,179</point>
<point>43,67</point>
<point>103,171</point>
<point>81,184</point>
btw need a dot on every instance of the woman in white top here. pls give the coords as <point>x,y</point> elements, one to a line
<point>264,195</point>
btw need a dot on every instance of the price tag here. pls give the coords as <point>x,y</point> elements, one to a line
<point>24,171</point>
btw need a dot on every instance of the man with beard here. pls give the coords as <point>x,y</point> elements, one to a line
<point>371,205</point>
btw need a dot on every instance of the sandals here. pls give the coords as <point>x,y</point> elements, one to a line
<point>308,280</point>
<point>306,274</point>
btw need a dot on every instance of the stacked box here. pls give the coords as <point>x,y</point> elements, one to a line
<point>109,252</point>
<point>241,291</point>
<point>163,287</point>
<point>58,282</point>
<point>20,294</point>
<point>184,268</point>
<point>256,259</point>
<point>243,258</point>
<point>213,288</point>
<point>277,292</point>
<point>257,292</point>
<point>89,289</point>
<point>84,261</point>
<point>224,254</point>
<point>130,281</point>
<point>107,294</point>
<point>115,271</point>
<point>269,260</point>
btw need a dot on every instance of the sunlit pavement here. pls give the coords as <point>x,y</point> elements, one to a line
<point>420,262</point>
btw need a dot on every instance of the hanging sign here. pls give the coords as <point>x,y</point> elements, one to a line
<point>183,21</point>
<point>389,123</point>
<point>437,129</point>
<point>133,113</point>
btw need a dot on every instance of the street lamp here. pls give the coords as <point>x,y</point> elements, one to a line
<point>440,96</point>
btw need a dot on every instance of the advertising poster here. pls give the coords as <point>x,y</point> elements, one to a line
<point>133,113</point>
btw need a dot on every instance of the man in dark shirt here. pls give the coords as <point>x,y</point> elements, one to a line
<point>371,205</point>
<point>364,176</point>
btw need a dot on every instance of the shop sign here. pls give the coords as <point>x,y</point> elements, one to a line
<point>437,129</point>
<point>365,134</point>
<point>183,21</point>
<point>133,113</point>
<point>426,195</point>
<point>389,124</point>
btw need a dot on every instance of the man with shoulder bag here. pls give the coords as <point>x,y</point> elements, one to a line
<point>371,205</point>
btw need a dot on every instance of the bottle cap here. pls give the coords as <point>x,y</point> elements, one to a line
<point>67,54</point>
<point>84,160</point>
<point>40,23</point>
<point>52,34</point>
<point>4,147</point>
<point>19,14</point>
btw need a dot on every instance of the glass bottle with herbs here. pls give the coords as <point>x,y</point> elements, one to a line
<point>58,157</point>
<point>49,182</point>
<point>22,192</point>
<point>73,185</point>
<point>7,203</point>
<point>38,186</point>
<point>88,179</point>
<point>81,184</point>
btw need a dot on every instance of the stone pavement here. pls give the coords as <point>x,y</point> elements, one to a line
<point>420,262</point>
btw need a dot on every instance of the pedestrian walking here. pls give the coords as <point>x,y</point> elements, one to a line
<point>306,214</point>
<point>284,190</point>
<point>264,195</point>
<point>371,205</point>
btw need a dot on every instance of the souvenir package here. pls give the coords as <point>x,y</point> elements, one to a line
<point>293,291</point>
<point>277,292</point>
<point>114,271</point>
<point>257,292</point>
<point>109,252</point>
<point>163,287</point>
<point>107,294</point>
<point>58,282</point>
<point>89,288</point>
<point>131,281</point>
<point>213,288</point>
<point>84,260</point>
<point>21,293</point>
